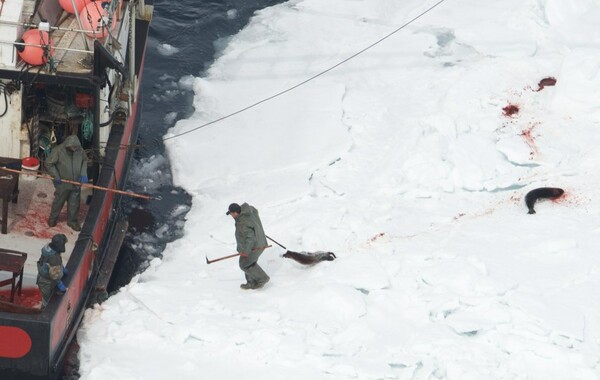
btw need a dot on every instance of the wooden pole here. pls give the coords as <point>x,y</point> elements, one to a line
<point>234,255</point>
<point>128,193</point>
<point>221,258</point>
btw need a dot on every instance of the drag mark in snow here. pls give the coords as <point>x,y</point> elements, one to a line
<point>527,135</point>
<point>460,215</point>
<point>376,237</point>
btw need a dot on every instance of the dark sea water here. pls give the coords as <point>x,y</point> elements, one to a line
<point>184,37</point>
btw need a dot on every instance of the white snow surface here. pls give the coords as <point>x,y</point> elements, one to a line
<point>402,162</point>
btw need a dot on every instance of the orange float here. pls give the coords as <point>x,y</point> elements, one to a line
<point>94,17</point>
<point>67,5</point>
<point>35,55</point>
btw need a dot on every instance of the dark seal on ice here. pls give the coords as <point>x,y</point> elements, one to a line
<point>541,192</point>
<point>310,258</point>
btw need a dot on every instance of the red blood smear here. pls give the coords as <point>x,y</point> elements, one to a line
<point>527,135</point>
<point>30,297</point>
<point>35,223</point>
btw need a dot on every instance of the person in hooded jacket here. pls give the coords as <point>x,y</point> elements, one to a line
<point>251,242</point>
<point>51,269</point>
<point>67,161</point>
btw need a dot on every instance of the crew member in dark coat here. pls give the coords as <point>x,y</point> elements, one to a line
<point>251,242</point>
<point>50,268</point>
<point>67,161</point>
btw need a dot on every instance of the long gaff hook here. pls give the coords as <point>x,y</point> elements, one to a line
<point>276,242</point>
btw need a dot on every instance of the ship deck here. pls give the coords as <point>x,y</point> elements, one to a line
<point>74,60</point>
<point>28,229</point>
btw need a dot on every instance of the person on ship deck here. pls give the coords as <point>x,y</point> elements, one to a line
<point>51,269</point>
<point>67,161</point>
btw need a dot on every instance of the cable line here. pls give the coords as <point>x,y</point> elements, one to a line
<point>311,78</point>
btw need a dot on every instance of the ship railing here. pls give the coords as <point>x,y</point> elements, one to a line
<point>45,26</point>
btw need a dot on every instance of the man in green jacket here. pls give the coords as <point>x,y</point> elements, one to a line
<point>50,268</point>
<point>251,242</point>
<point>67,161</point>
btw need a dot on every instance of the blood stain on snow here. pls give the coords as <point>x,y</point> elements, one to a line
<point>560,199</point>
<point>573,199</point>
<point>510,110</point>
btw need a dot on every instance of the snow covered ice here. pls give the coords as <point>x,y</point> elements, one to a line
<point>405,163</point>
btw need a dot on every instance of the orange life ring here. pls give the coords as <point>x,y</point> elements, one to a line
<point>35,55</point>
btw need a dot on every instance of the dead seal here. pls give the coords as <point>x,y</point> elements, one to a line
<point>541,192</point>
<point>310,258</point>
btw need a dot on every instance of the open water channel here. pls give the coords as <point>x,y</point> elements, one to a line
<point>185,36</point>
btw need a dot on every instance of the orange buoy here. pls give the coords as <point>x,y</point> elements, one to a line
<point>94,17</point>
<point>35,55</point>
<point>67,5</point>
